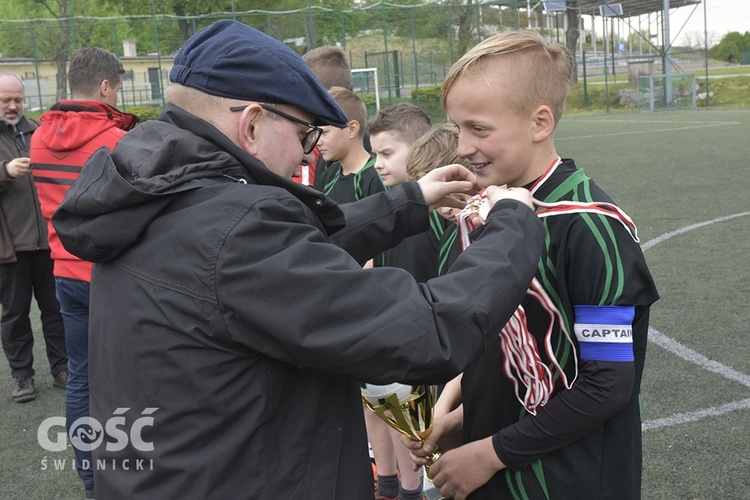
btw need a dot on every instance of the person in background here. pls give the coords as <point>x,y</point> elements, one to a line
<point>434,149</point>
<point>551,409</point>
<point>392,131</point>
<point>68,135</point>
<point>25,264</point>
<point>352,175</point>
<point>230,306</point>
<point>332,69</point>
<point>330,66</point>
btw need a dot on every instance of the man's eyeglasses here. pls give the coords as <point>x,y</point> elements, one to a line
<point>311,137</point>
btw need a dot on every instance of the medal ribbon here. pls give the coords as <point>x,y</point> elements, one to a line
<point>522,363</point>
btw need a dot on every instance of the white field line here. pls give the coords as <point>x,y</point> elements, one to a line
<point>666,236</point>
<point>694,416</point>
<point>649,131</point>
<point>692,356</point>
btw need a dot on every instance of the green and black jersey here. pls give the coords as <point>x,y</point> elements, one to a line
<point>418,254</point>
<point>345,188</point>
<point>449,248</point>
<point>585,442</point>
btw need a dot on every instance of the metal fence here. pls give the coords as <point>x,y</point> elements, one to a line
<point>411,47</point>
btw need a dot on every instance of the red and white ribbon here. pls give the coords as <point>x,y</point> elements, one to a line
<point>522,363</point>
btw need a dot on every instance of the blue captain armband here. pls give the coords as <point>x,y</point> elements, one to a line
<point>605,333</point>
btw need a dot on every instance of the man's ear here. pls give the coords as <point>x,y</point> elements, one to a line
<point>248,128</point>
<point>544,123</point>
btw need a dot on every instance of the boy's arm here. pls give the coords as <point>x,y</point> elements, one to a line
<point>601,390</point>
<point>608,284</point>
<point>450,397</point>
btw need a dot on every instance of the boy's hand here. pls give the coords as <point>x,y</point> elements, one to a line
<point>438,184</point>
<point>460,471</point>
<point>497,193</point>
<point>446,432</point>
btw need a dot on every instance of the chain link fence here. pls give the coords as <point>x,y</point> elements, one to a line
<point>408,48</point>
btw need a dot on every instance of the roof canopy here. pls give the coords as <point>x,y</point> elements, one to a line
<point>631,8</point>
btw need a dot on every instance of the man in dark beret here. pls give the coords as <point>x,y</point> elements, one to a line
<point>231,318</point>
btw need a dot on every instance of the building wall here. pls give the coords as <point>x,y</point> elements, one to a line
<point>142,85</point>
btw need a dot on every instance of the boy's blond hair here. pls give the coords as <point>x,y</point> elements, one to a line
<point>330,66</point>
<point>541,71</point>
<point>409,121</point>
<point>352,105</point>
<point>434,149</point>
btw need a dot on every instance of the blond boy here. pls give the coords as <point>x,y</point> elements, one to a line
<point>434,149</point>
<point>558,417</point>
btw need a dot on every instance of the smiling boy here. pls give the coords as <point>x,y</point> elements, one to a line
<point>547,411</point>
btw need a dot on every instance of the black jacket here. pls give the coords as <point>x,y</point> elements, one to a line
<point>220,300</point>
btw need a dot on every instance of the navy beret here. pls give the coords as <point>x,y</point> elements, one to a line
<point>231,59</point>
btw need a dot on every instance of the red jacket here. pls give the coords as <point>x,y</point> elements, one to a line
<point>305,173</point>
<point>70,132</point>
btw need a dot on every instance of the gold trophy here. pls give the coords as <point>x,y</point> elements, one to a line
<point>406,408</point>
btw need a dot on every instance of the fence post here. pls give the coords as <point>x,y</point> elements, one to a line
<point>385,52</point>
<point>450,32</point>
<point>396,74</point>
<point>36,68</point>
<point>158,52</point>
<point>414,52</point>
<point>585,82</point>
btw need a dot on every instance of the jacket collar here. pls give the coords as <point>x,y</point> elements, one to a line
<point>254,171</point>
<point>125,121</point>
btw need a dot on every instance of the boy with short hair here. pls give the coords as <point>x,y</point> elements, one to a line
<point>332,69</point>
<point>392,132</point>
<point>559,419</point>
<point>330,66</point>
<point>352,176</point>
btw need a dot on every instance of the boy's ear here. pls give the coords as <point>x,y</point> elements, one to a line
<point>544,123</point>
<point>353,129</point>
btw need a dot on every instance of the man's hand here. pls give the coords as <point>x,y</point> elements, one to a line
<point>18,167</point>
<point>438,184</point>
<point>460,471</point>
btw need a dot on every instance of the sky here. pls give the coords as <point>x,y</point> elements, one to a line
<point>686,24</point>
<point>723,16</point>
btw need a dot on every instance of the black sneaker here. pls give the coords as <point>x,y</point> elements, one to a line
<point>60,380</point>
<point>24,390</point>
<point>88,492</point>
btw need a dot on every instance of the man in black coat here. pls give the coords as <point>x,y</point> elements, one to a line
<point>234,320</point>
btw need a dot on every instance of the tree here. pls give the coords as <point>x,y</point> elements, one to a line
<point>573,32</point>
<point>51,29</point>
<point>732,46</point>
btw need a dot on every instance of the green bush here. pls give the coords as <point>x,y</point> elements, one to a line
<point>145,113</point>
<point>428,98</point>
